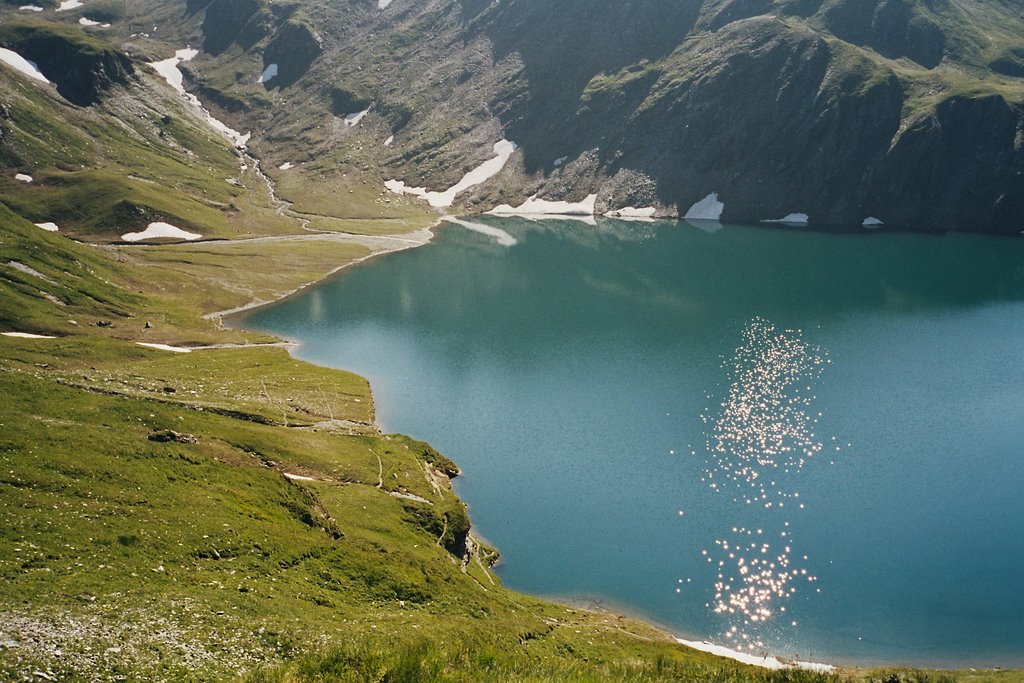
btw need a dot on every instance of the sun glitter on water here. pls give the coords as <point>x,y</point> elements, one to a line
<point>759,438</point>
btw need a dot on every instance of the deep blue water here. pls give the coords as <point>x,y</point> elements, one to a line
<point>616,394</point>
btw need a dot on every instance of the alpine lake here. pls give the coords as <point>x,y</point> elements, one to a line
<point>802,443</point>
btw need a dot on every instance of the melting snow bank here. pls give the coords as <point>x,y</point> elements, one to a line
<point>68,4</point>
<point>268,73</point>
<point>544,207</point>
<point>155,230</point>
<point>165,347</point>
<point>707,209</point>
<point>764,662</point>
<point>480,174</point>
<point>26,335</point>
<point>286,165</point>
<point>298,477</point>
<point>168,68</point>
<point>89,22</point>
<point>354,118</point>
<point>19,63</point>
<point>31,8</point>
<point>791,219</point>
<point>499,235</point>
<point>48,227</point>
<point>631,213</point>
<point>23,178</point>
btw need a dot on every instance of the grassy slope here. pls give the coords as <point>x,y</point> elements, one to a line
<point>125,556</point>
<point>199,557</point>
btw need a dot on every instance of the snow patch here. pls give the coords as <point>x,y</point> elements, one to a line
<point>26,335</point>
<point>872,222</point>
<point>286,165</point>
<point>383,4</point>
<point>485,171</point>
<point>387,143</point>
<point>31,8</point>
<point>298,477</point>
<point>354,118</point>
<point>48,227</point>
<point>19,63</point>
<point>628,212</point>
<point>499,235</point>
<point>707,209</point>
<point>87,22</point>
<point>791,219</point>
<point>544,207</point>
<point>168,68</point>
<point>159,229</point>
<point>721,651</point>
<point>268,73</point>
<point>23,177</point>
<point>765,662</point>
<point>165,347</point>
<point>69,4</point>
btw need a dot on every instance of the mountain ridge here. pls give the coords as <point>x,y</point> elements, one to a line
<point>840,142</point>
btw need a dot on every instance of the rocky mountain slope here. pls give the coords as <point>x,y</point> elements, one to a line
<point>910,112</point>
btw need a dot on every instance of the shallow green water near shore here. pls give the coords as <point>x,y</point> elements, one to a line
<point>784,441</point>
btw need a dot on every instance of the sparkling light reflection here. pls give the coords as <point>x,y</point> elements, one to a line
<point>758,439</point>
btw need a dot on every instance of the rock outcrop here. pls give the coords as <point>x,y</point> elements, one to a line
<point>82,68</point>
<point>293,49</point>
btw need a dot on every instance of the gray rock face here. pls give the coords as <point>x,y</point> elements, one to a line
<point>960,168</point>
<point>227,22</point>
<point>293,48</point>
<point>895,28</point>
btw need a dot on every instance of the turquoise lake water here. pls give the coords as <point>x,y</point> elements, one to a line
<point>803,443</point>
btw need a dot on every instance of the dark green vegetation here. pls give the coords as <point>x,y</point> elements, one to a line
<point>149,528</point>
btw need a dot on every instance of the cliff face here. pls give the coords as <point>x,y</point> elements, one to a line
<point>293,49</point>
<point>82,69</point>
<point>962,167</point>
<point>841,110</point>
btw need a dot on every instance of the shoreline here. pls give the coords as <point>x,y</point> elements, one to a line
<point>403,244</point>
<point>768,662</point>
